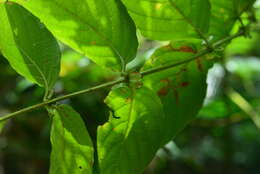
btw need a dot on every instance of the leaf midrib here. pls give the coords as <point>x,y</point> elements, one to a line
<point>108,41</point>
<point>22,52</point>
<point>185,18</point>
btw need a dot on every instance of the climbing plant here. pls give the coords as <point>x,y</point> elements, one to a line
<point>151,100</point>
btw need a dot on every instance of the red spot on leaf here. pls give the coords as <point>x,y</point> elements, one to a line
<point>135,73</point>
<point>184,84</point>
<point>163,91</point>
<point>199,65</point>
<point>187,49</point>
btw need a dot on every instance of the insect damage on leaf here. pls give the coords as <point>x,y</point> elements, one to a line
<point>199,65</point>
<point>186,49</point>
<point>184,84</point>
<point>166,89</point>
<point>173,85</point>
<point>163,91</point>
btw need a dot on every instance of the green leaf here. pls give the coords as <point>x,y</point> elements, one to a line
<point>72,149</point>
<point>224,15</point>
<point>126,145</point>
<point>181,89</point>
<point>102,30</point>
<point>169,20</point>
<point>29,47</point>
<point>195,12</point>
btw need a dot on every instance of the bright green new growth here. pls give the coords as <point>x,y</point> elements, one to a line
<point>72,150</point>
<point>29,47</point>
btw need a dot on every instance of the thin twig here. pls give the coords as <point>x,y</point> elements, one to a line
<point>209,123</point>
<point>244,105</point>
<point>200,54</point>
<point>122,79</point>
<point>40,105</point>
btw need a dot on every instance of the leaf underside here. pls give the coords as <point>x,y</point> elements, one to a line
<point>126,145</point>
<point>102,30</point>
<point>28,46</point>
<point>72,149</point>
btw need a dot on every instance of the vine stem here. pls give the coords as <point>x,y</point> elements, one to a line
<point>122,79</point>
<point>201,53</point>
<point>241,102</point>
<point>45,103</point>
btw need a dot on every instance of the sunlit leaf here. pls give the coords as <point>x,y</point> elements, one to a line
<point>102,30</point>
<point>161,20</point>
<point>29,47</point>
<point>195,12</point>
<point>72,150</point>
<point>127,144</point>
